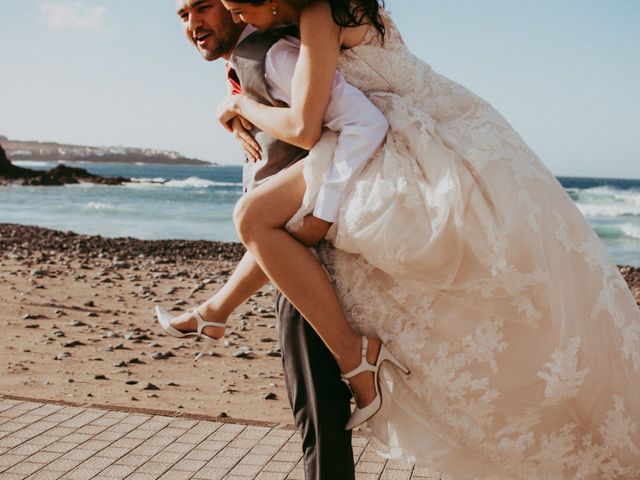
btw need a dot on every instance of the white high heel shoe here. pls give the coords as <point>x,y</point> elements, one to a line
<point>164,318</point>
<point>361,415</point>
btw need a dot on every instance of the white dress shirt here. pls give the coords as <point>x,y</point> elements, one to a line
<point>361,127</point>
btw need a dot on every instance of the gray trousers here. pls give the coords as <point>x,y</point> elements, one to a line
<point>318,398</point>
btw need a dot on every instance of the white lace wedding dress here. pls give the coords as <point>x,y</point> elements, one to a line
<point>461,251</point>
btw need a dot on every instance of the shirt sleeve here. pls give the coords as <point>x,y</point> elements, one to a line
<point>360,125</point>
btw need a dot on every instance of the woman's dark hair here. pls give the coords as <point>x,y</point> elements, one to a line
<point>347,13</point>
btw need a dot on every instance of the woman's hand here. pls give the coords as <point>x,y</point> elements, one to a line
<point>241,128</point>
<point>228,109</point>
<point>312,231</point>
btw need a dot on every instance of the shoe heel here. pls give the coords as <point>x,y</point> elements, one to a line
<point>387,355</point>
<point>208,345</point>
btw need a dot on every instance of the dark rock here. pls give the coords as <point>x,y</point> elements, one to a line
<point>162,355</point>
<point>244,353</point>
<point>100,376</point>
<point>15,239</point>
<point>150,386</point>
<point>60,175</point>
<point>270,396</point>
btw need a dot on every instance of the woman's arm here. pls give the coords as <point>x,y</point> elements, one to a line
<point>312,81</point>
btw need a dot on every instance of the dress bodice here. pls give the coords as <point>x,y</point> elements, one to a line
<point>375,66</point>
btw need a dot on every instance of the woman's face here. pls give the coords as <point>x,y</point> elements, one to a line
<point>260,16</point>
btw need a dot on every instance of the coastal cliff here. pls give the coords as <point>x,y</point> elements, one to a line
<point>36,151</point>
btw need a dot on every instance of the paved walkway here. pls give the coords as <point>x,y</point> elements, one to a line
<point>42,441</point>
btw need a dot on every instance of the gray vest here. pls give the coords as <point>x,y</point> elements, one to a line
<point>248,59</point>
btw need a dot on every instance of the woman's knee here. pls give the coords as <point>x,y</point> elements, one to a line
<point>246,218</point>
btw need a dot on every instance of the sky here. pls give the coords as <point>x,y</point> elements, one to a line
<point>565,74</point>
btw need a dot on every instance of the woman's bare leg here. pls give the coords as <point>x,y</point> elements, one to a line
<point>260,216</point>
<point>245,280</point>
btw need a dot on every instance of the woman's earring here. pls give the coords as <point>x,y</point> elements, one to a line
<point>274,10</point>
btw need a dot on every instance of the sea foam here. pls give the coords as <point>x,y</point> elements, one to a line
<point>631,230</point>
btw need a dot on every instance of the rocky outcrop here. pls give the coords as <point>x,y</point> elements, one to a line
<point>9,171</point>
<point>60,175</point>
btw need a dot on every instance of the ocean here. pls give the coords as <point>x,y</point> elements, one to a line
<point>196,203</point>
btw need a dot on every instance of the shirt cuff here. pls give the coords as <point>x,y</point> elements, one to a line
<point>328,204</point>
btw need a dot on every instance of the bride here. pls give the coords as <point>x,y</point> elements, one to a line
<point>460,251</point>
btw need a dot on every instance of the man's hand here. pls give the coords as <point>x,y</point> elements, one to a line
<point>240,128</point>
<point>312,231</point>
<point>227,110</point>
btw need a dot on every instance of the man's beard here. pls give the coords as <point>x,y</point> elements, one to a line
<point>218,48</point>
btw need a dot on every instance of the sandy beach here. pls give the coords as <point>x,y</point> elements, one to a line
<point>78,326</point>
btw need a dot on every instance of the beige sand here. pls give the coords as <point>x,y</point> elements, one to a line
<point>77,325</point>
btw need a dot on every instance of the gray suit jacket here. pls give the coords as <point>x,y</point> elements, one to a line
<point>248,60</point>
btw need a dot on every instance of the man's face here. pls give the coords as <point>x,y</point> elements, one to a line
<point>209,26</point>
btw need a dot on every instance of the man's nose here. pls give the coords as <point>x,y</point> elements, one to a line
<point>194,21</point>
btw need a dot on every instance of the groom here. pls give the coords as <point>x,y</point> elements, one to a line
<point>319,400</point>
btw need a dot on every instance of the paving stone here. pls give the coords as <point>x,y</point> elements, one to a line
<point>26,468</point>
<point>13,476</point>
<point>272,476</point>
<point>59,446</point>
<point>112,452</point>
<point>369,467</point>
<point>245,470</point>
<point>45,475</point>
<point>231,452</point>
<point>296,474</point>
<point>142,476</point>
<point>288,456</point>
<point>275,466</point>
<point>117,471</point>
<point>91,429</point>
<point>153,467</point>
<point>133,460</point>
<point>10,460</point>
<point>390,474</point>
<point>47,441</point>
<point>211,473</point>
<point>200,454</point>
<point>11,441</point>
<point>179,447</point>
<point>177,475</point>
<point>96,464</point>
<point>256,459</point>
<point>168,457</point>
<point>63,465</point>
<point>79,473</point>
<point>25,449</point>
<point>44,457</point>
<point>222,462</point>
<point>126,442</point>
